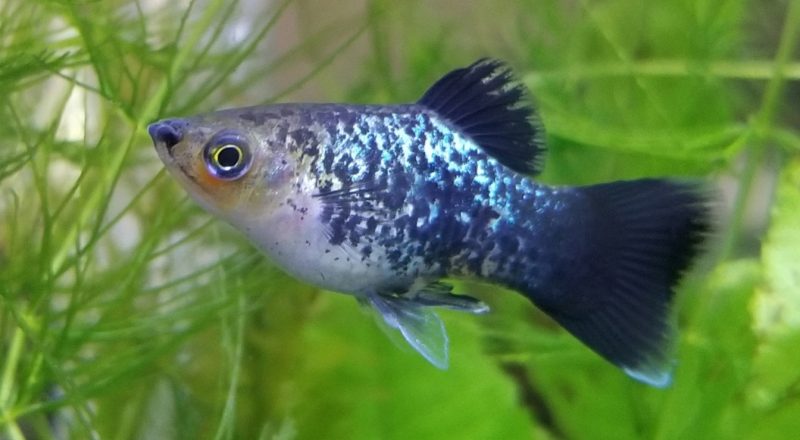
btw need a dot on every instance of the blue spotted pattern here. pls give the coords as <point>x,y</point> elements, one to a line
<point>401,179</point>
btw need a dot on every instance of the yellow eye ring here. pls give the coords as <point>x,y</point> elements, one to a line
<point>228,156</point>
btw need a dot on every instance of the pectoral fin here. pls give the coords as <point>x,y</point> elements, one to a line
<point>419,325</point>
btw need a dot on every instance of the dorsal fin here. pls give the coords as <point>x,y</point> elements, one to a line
<point>486,102</point>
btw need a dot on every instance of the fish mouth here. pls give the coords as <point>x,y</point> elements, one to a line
<point>167,132</point>
<point>188,175</point>
<point>175,167</point>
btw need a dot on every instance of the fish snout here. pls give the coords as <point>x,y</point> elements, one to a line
<point>169,132</point>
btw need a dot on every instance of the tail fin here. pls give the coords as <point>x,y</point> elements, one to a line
<point>642,234</point>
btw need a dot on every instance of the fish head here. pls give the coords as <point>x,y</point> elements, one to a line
<point>231,166</point>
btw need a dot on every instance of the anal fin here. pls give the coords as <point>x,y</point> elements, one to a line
<point>420,326</point>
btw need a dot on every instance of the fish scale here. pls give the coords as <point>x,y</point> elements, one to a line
<point>383,201</point>
<point>439,203</point>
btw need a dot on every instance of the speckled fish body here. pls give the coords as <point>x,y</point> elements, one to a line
<point>383,201</point>
<point>370,210</point>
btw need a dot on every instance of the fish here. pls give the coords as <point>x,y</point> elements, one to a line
<point>389,203</point>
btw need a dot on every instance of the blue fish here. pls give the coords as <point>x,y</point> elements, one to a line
<point>385,201</point>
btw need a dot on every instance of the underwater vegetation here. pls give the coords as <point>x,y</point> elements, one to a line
<point>126,311</point>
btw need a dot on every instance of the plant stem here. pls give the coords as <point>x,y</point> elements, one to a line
<point>741,70</point>
<point>225,427</point>
<point>14,351</point>
<point>7,384</point>
<point>763,123</point>
<point>14,432</point>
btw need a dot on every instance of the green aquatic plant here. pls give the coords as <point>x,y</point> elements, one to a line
<point>126,312</point>
<point>92,298</point>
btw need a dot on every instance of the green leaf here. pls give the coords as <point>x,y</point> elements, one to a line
<point>776,309</point>
<point>357,384</point>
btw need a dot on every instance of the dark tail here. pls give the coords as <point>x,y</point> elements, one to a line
<point>640,236</point>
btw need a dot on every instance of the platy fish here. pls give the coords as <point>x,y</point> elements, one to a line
<point>384,201</point>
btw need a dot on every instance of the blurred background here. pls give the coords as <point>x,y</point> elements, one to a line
<point>128,312</point>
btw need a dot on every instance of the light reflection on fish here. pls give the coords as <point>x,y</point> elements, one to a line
<point>383,201</point>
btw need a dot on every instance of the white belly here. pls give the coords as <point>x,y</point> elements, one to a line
<point>298,243</point>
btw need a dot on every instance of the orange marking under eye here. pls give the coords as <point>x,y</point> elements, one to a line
<point>206,179</point>
<point>215,188</point>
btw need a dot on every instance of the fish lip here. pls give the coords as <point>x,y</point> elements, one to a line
<point>162,152</point>
<point>158,145</point>
<point>166,154</point>
<point>167,132</point>
<point>151,130</point>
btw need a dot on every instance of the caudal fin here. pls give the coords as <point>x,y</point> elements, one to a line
<point>641,236</point>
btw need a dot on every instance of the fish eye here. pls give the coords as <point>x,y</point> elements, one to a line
<point>227,156</point>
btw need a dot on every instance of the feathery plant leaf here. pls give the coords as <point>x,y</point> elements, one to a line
<point>93,301</point>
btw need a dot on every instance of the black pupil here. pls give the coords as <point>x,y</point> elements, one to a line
<point>228,157</point>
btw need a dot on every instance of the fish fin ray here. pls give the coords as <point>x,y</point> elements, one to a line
<point>439,294</point>
<point>351,192</point>
<point>641,237</point>
<point>338,204</point>
<point>485,99</point>
<point>420,326</point>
